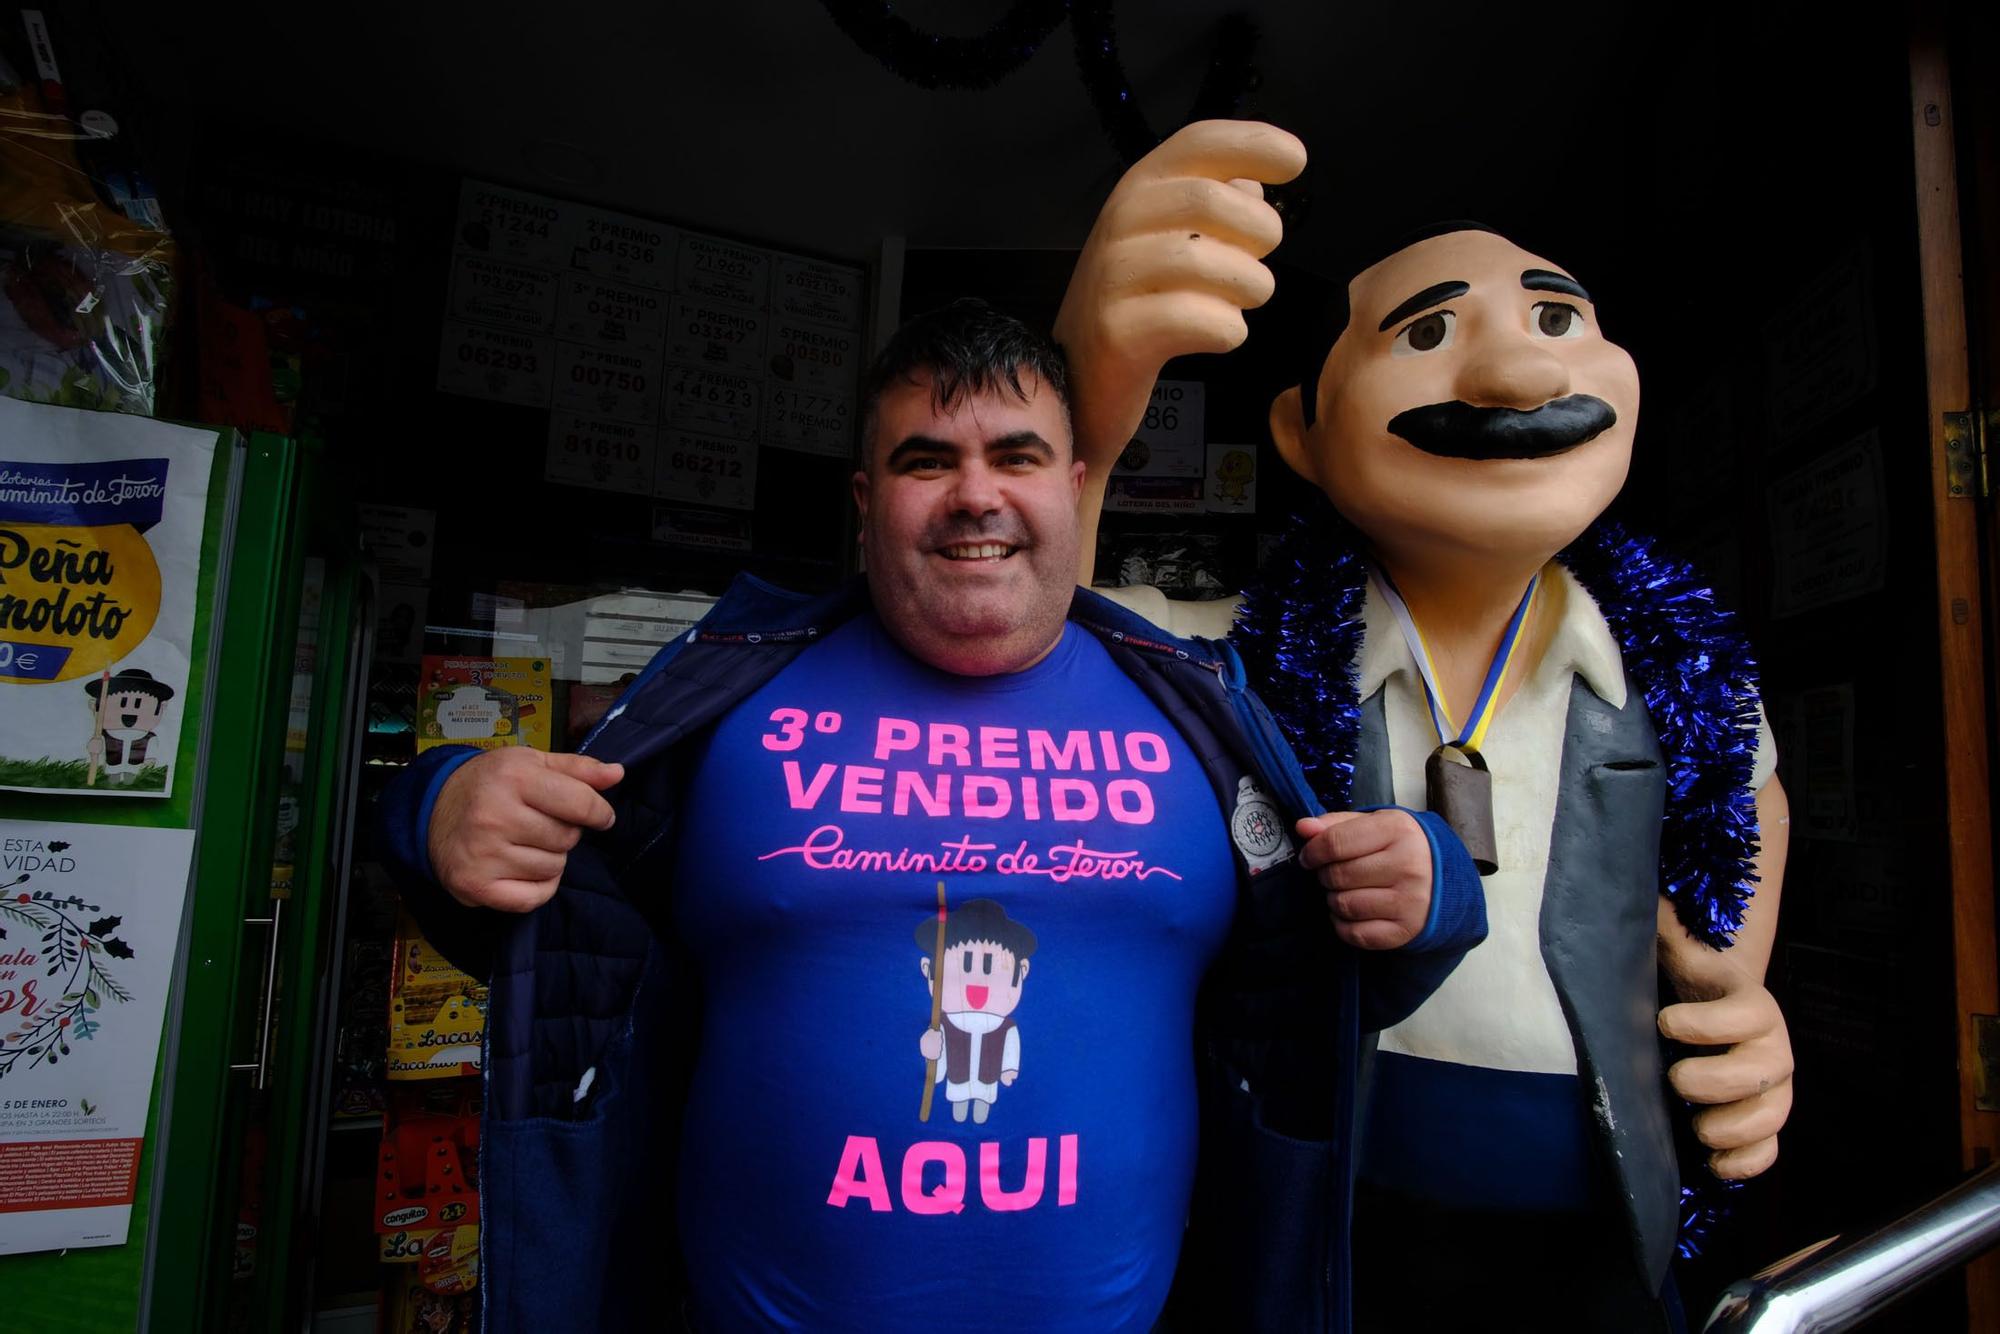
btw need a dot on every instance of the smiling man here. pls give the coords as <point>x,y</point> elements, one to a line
<point>702,994</point>
<point>1457,631</point>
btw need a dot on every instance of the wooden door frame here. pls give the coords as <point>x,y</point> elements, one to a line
<point>1961,606</point>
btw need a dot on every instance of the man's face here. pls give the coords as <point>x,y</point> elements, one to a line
<point>1472,408</point>
<point>968,518</point>
<point>979,978</point>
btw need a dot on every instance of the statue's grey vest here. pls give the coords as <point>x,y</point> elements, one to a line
<point>1600,902</point>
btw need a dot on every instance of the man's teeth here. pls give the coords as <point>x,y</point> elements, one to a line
<point>978,551</point>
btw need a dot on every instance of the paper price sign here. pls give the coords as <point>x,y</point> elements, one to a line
<point>606,383</point>
<point>513,225</point>
<point>614,315</point>
<point>615,245</point>
<point>713,335</point>
<point>718,271</point>
<point>822,293</point>
<point>707,470</point>
<point>600,452</point>
<point>810,356</point>
<point>492,363</point>
<point>809,420</point>
<point>711,402</point>
<point>513,296</point>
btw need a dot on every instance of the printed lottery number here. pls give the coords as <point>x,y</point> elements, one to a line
<point>824,356</point>
<point>592,446</point>
<point>507,222</point>
<point>617,249</point>
<point>708,390</point>
<point>597,375</point>
<point>806,404</point>
<point>1163,419</point>
<point>706,464</point>
<point>498,359</point>
<point>716,332</point>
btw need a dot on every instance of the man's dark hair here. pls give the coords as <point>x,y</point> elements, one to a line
<point>964,348</point>
<point>979,921</point>
<point>1331,319</point>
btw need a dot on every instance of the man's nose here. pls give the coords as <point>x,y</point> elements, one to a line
<point>1512,371</point>
<point>975,490</point>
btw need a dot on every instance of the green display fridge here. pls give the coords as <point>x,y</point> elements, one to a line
<point>190,1220</point>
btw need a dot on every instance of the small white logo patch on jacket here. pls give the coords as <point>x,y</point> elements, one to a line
<point>1258,828</point>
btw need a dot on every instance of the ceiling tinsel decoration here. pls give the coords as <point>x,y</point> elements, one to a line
<point>969,63</point>
<point>1229,76</point>
<point>962,63</point>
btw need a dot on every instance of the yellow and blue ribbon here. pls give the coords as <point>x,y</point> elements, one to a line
<point>1472,736</point>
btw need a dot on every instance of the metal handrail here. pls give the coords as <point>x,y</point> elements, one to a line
<point>1837,1283</point>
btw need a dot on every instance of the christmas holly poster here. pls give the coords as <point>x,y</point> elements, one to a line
<point>89,917</point>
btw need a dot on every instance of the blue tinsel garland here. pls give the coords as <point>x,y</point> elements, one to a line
<point>1300,631</point>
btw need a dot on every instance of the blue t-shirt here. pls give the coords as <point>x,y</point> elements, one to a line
<point>1088,882</point>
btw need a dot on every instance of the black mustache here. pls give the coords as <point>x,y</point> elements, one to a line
<point>1460,431</point>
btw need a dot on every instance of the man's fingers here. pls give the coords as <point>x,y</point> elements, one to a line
<point>1375,871</point>
<point>1748,1161</point>
<point>1237,217</point>
<point>529,828</point>
<point>595,772</point>
<point>1365,905</point>
<point>567,800</point>
<point>1741,1072</point>
<point>1724,1022</point>
<point>518,895</point>
<point>1737,1124</point>
<point>1226,150</point>
<point>1348,835</point>
<point>1374,934</point>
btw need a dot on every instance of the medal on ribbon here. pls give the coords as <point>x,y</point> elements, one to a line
<point>1457,785</point>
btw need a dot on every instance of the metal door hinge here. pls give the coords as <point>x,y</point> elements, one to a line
<point>1965,436</point>
<point>1986,1077</point>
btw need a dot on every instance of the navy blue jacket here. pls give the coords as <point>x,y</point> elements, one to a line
<point>588,1033</point>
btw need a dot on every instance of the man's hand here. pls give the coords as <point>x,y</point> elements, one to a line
<point>1170,266</point>
<point>504,823</point>
<point>1376,869</point>
<point>1007,1077</point>
<point>1747,1087</point>
<point>931,1045</point>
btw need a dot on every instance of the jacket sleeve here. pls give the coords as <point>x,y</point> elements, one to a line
<point>1395,982</point>
<point>465,936</point>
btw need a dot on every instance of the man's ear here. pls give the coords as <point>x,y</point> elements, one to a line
<point>1076,472</point>
<point>861,495</point>
<point>1024,972</point>
<point>925,964</point>
<point>1288,433</point>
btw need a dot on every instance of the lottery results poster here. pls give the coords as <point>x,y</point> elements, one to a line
<point>667,359</point>
<point>101,519</point>
<point>89,916</point>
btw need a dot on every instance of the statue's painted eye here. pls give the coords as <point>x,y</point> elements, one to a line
<point>1427,333</point>
<point>1558,319</point>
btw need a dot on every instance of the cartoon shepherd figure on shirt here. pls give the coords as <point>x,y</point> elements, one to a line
<point>975,964</point>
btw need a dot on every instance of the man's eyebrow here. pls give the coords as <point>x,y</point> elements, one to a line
<point>1030,440</point>
<point>1546,280</point>
<point>918,444</point>
<point>1430,296</point>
